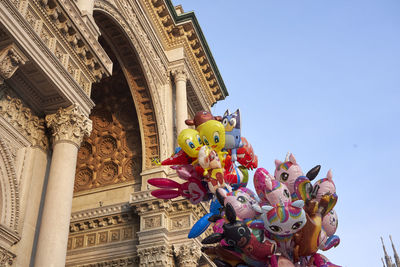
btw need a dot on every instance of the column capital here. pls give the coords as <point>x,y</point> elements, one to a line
<point>180,74</point>
<point>69,125</point>
<point>188,254</point>
<point>11,57</point>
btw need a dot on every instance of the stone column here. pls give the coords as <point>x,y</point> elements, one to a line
<point>188,254</point>
<point>69,126</point>
<point>180,77</point>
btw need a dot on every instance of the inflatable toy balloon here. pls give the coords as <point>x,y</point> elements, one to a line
<point>246,156</point>
<point>203,223</point>
<point>186,171</point>
<point>212,133</point>
<point>209,160</point>
<point>287,172</point>
<point>330,222</point>
<point>201,117</point>
<point>283,220</point>
<point>269,190</point>
<point>189,140</point>
<point>179,158</point>
<point>235,176</point>
<point>325,186</point>
<point>231,122</point>
<point>237,235</point>
<point>193,189</point>
<point>241,201</point>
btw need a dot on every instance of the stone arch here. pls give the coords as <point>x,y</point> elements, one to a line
<point>130,41</point>
<point>9,208</point>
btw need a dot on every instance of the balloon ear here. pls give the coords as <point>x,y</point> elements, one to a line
<point>230,213</point>
<point>329,175</point>
<point>214,238</point>
<point>163,183</point>
<point>226,113</point>
<point>165,193</point>
<point>267,208</point>
<point>298,204</point>
<point>277,163</point>
<point>311,174</point>
<point>189,122</point>
<point>292,159</point>
<point>221,194</point>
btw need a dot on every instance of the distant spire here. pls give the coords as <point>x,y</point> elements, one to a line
<point>396,257</point>
<point>387,258</point>
<point>383,262</point>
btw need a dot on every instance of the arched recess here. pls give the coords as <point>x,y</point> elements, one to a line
<point>9,189</point>
<point>125,136</point>
<point>130,41</point>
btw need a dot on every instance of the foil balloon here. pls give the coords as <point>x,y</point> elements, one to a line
<point>269,190</point>
<point>231,122</point>
<point>287,173</point>
<point>246,156</point>
<point>201,117</point>
<point>190,142</point>
<point>203,223</point>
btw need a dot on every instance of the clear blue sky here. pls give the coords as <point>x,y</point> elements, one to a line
<point>320,79</point>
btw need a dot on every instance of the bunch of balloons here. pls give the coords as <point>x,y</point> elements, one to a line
<point>285,223</point>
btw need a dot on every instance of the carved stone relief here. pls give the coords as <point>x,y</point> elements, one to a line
<point>156,256</point>
<point>6,257</point>
<point>11,58</point>
<point>113,152</point>
<point>188,254</point>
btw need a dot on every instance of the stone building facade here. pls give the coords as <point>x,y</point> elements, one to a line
<point>90,92</point>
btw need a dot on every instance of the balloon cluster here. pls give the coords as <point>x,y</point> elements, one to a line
<point>285,223</point>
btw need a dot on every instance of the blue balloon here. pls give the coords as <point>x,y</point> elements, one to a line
<point>202,224</point>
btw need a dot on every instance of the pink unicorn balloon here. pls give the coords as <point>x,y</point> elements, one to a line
<point>269,190</point>
<point>287,172</point>
<point>326,186</point>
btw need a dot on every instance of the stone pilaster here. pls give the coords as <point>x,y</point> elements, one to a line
<point>11,57</point>
<point>69,126</point>
<point>180,77</point>
<point>188,254</point>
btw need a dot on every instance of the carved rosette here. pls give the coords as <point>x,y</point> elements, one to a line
<point>11,57</point>
<point>187,254</point>
<point>69,125</point>
<point>6,257</point>
<point>156,256</point>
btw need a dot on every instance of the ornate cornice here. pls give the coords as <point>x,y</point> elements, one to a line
<point>69,125</point>
<point>11,57</point>
<point>8,236</point>
<point>176,30</point>
<point>100,212</point>
<point>14,111</point>
<point>121,262</point>
<point>6,257</point>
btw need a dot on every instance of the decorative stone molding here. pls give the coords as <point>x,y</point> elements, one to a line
<point>6,257</point>
<point>179,74</point>
<point>188,254</point>
<point>161,255</point>
<point>123,262</point>
<point>15,112</point>
<point>8,236</point>
<point>11,57</point>
<point>69,125</point>
<point>10,206</point>
<point>100,212</point>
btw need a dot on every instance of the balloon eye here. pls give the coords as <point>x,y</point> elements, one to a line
<point>284,176</point>
<point>286,193</point>
<point>190,143</point>
<point>199,139</point>
<point>232,122</point>
<point>297,225</point>
<point>205,140</point>
<point>275,228</point>
<point>241,231</point>
<point>231,242</point>
<point>241,199</point>
<point>216,137</point>
<point>225,122</point>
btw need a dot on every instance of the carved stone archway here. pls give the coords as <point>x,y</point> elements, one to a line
<point>135,54</point>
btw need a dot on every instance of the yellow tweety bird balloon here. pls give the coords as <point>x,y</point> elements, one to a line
<point>212,133</point>
<point>189,140</point>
